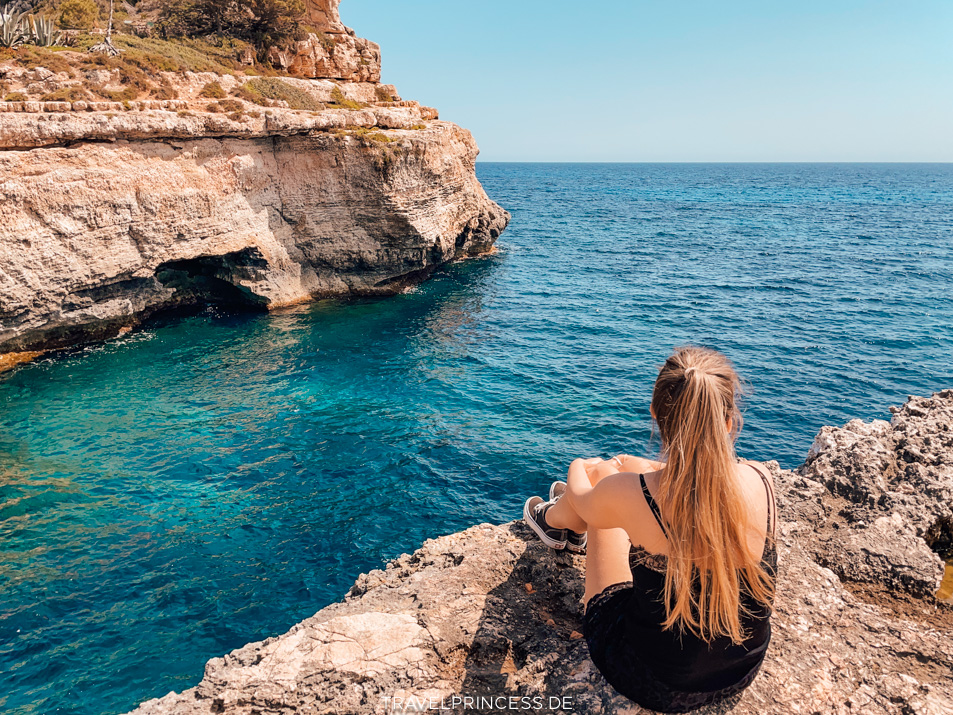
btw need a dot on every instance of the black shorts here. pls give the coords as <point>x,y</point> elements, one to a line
<point>619,661</point>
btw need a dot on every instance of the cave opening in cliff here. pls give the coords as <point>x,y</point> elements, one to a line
<point>213,281</point>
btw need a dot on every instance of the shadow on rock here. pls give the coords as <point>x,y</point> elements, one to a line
<point>529,633</point>
<point>529,644</point>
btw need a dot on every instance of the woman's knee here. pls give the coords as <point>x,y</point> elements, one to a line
<point>602,470</point>
<point>639,465</point>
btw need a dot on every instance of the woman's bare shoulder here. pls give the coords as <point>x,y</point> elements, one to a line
<point>756,467</point>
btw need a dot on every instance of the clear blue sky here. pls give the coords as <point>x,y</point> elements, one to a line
<point>677,80</point>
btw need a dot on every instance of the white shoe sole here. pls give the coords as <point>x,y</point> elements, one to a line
<point>531,523</point>
<point>576,549</point>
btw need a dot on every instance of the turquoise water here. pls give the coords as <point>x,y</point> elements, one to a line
<point>211,480</point>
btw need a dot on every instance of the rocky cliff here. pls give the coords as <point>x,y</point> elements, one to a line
<point>330,49</point>
<point>252,192</point>
<point>491,612</point>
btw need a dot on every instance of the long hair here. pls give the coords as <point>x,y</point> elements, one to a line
<point>709,564</point>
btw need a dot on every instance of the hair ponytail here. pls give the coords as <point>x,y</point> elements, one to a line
<point>705,516</point>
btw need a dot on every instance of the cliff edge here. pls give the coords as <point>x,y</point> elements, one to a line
<point>244,190</point>
<point>491,612</point>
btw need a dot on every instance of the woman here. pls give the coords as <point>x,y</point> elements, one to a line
<point>680,555</point>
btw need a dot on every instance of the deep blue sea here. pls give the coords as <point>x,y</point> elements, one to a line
<point>211,480</point>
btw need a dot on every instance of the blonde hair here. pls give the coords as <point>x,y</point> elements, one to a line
<point>706,521</point>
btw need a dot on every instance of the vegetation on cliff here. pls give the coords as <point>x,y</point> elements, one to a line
<point>263,23</point>
<point>137,64</point>
<point>183,35</point>
<point>93,51</point>
<point>135,71</point>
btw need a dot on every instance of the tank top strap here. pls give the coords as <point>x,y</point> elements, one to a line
<point>652,504</point>
<point>769,491</point>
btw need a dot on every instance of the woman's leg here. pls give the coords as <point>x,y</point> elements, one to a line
<point>607,560</point>
<point>607,550</point>
<point>563,516</point>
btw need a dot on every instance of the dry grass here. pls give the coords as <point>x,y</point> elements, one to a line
<point>265,91</point>
<point>367,135</point>
<point>68,94</point>
<point>339,101</point>
<point>138,64</point>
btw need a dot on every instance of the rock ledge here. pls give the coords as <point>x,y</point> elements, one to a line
<point>491,612</point>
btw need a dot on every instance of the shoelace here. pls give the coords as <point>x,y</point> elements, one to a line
<point>541,515</point>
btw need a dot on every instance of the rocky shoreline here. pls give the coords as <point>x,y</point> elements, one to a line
<point>115,211</point>
<point>258,222</point>
<point>490,612</point>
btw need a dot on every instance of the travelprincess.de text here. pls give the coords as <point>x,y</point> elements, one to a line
<point>493,703</point>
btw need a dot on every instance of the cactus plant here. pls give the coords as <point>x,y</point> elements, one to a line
<point>43,31</point>
<point>12,28</point>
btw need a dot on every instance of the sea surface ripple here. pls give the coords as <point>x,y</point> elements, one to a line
<point>211,480</point>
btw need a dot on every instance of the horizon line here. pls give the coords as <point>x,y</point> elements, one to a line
<point>583,161</point>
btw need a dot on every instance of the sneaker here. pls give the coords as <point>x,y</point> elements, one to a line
<point>576,543</point>
<point>534,514</point>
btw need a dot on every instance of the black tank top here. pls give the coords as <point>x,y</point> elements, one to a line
<point>681,659</point>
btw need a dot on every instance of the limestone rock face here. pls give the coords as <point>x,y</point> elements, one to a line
<point>23,130</point>
<point>96,236</point>
<point>323,15</point>
<point>335,52</point>
<point>331,56</point>
<point>891,491</point>
<point>260,191</point>
<point>492,612</point>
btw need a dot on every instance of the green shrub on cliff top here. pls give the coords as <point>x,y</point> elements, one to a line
<point>78,14</point>
<point>213,90</point>
<point>264,23</point>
